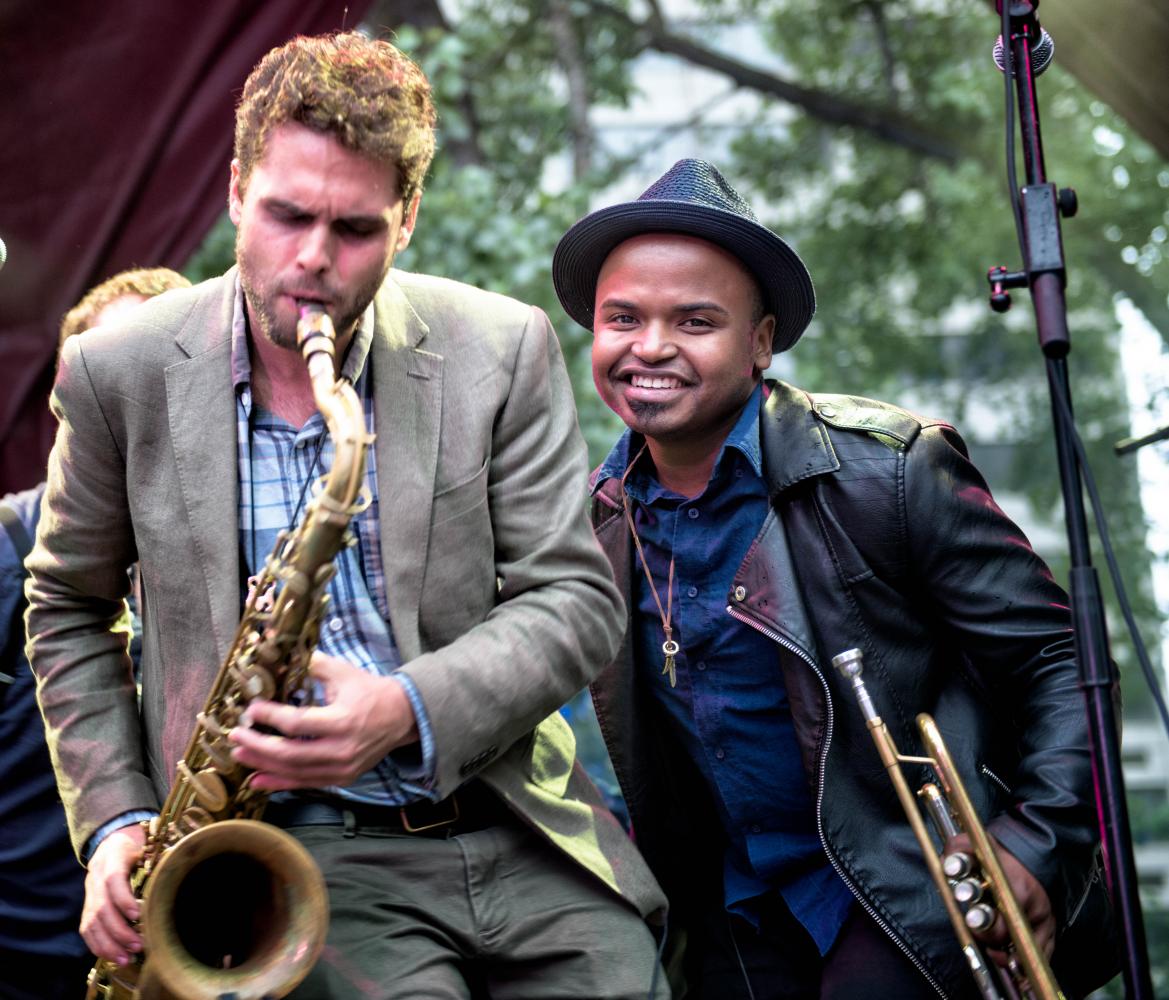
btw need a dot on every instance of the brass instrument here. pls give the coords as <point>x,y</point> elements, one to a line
<point>975,891</point>
<point>231,906</point>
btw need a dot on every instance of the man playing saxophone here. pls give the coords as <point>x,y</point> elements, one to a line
<point>757,530</point>
<point>432,781</point>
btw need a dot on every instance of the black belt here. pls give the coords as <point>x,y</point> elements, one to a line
<point>472,807</point>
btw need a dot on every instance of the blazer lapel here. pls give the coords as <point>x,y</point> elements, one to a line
<point>407,418</point>
<point>201,409</point>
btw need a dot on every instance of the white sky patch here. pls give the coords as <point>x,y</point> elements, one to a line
<point>1146,375</point>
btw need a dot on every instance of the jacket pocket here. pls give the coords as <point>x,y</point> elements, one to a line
<point>462,497</point>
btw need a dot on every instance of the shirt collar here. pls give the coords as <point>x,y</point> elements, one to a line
<point>352,367</point>
<point>743,439</point>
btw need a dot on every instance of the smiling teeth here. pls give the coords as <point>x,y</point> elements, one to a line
<point>644,382</point>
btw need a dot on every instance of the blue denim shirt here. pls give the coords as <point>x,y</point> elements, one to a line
<point>730,707</point>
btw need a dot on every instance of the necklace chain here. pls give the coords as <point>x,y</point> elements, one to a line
<point>670,647</point>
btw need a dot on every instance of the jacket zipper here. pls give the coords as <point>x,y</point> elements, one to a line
<point>823,764</point>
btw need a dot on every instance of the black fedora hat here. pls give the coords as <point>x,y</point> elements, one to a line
<point>694,199</point>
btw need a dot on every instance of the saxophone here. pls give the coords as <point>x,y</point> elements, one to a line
<point>232,906</point>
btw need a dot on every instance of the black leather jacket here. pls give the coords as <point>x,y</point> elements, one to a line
<point>882,536</point>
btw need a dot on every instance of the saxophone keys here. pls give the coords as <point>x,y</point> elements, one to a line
<point>194,818</point>
<point>255,681</point>
<point>211,724</point>
<point>219,753</point>
<point>209,789</point>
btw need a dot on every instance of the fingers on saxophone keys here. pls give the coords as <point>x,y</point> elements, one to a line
<point>288,720</point>
<point>110,936</point>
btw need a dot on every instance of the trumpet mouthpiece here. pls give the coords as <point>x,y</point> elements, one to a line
<point>849,663</point>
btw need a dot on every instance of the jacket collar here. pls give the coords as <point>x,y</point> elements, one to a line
<point>794,441</point>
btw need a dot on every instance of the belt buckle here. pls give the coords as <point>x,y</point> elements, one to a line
<point>409,827</point>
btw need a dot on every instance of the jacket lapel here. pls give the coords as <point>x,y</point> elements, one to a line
<point>407,418</point>
<point>202,417</point>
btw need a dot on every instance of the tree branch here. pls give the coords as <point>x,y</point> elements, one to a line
<point>568,54</point>
<point>885,123</point>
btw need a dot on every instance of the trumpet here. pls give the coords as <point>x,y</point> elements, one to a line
<point>974,891</point>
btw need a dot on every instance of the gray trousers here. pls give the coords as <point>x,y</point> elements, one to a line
<point>495,914</point>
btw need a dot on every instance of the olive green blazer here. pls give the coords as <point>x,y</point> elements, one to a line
<point>502,605</point>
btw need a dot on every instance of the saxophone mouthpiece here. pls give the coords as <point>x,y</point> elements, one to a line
<point>308,308</point>
<point>314,329</point>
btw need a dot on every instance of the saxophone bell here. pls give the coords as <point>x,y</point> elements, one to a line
<point>973,887</point>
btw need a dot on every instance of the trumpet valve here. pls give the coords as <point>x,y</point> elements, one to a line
<point>967,891</point>
<point>981,917</point>
<point>957,865</point>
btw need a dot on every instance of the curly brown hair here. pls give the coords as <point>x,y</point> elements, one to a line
<point>145,282</point>
<point>366,93</point>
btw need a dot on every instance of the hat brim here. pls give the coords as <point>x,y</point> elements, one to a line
<point>783,279</point>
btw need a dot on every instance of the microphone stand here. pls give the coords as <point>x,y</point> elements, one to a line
<point>1044,272</point>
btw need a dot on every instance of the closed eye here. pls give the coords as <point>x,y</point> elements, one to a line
<point>359,229</point>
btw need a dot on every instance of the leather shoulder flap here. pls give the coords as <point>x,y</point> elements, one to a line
<point>884,422</point>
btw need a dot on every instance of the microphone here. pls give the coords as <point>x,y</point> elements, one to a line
<point>1042,52</point>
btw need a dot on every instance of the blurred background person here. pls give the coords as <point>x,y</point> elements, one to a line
<point>42,956</point>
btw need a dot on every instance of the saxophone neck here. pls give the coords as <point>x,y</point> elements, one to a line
<point>317,340</point>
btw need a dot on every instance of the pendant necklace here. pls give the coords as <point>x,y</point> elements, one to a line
<point>670,648</point>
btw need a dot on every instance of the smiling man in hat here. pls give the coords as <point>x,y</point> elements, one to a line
<point>758,530</point>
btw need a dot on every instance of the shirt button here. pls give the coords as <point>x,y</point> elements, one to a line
<point>692,592</point>
<point>701,664</point>
<point>740,593</point>
<point>692,513</point>
<point>336,624</point>
<point>720,753</point>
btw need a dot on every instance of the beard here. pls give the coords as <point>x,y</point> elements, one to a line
<point>262,296</point>
<point>647,411</point>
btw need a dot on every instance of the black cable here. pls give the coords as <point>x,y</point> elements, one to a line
<point>1009,114</point>
<point>1089,480</point>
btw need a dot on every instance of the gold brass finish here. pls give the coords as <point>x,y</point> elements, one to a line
<point>232,906</point>
<point>1029,975</point>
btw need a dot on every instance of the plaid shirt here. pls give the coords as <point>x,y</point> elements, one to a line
<point>356,626</point>
<point>277,466</point>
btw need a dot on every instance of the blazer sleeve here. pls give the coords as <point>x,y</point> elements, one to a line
<point>1012,621</point>
<point>77,621</point>
<point>557,617</point>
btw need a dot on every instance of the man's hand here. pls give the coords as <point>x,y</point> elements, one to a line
<point>364,717</point>
<point>1030,895</point>
<point>110,906</point>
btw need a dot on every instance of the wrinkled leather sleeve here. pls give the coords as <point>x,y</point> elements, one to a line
<point>989,588</point>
